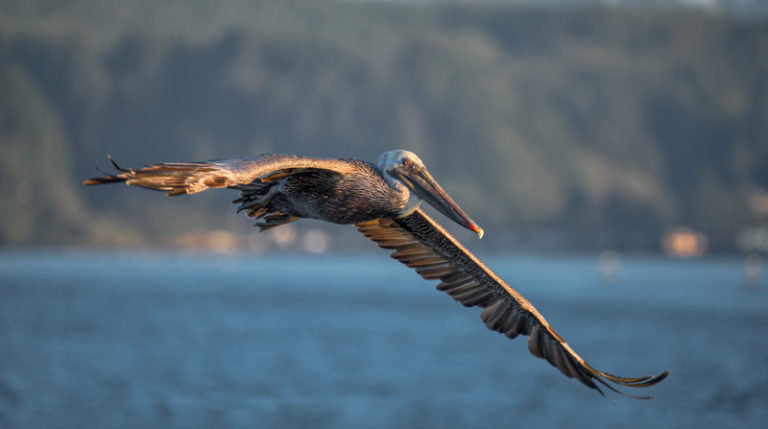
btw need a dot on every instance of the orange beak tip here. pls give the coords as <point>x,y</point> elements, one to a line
<point>480,232</point>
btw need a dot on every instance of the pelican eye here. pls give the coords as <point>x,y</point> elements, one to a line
<point>407,162</point>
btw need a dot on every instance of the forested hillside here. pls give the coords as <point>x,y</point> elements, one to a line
<point>603,125</point>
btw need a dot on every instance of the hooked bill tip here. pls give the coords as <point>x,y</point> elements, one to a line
<point>480,232</point>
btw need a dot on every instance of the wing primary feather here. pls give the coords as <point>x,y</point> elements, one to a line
<point>433,272</point>
<point>490,312</point>
<point>560,362</point>
<point>412,249</point>
<point>514,326</point>
<point>474,297</point>
<point>533,342</point>
<point>499,315</point>
<point>456,287</point>
<point>427,260</point>
<point>455,277</point>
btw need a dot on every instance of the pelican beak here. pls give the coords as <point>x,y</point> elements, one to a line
<point>426,187</point>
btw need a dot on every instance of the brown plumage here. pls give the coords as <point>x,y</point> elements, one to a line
<point>341,191</point>
<point>382,201</point>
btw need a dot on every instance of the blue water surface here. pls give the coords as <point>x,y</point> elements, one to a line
<point>153,339</point>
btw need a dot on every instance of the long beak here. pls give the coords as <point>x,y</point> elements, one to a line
<point>426,187</point>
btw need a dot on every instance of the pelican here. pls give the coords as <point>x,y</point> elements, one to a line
<point>382,200</point>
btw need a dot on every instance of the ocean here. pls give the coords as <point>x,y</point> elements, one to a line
<point>157,339</point>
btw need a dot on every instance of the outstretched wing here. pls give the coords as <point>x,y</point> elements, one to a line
<point>419,242</point>
<point>191,177</point>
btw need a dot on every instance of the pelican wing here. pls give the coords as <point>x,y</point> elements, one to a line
<point>419,242</point>
<point>191,177</point>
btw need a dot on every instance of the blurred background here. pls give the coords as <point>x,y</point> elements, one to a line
<point>616,152</point>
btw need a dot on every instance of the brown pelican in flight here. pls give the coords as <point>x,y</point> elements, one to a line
<point>382,200</point>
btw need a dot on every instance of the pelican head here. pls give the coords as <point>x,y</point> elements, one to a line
<point>406,168</point>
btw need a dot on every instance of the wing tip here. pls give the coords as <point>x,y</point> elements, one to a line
<point>646,381</point>
<point>108,178</point>
<point>102,180</point>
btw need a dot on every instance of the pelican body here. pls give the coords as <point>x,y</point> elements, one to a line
<point>382,200</point>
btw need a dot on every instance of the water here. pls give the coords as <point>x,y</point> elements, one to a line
<point>125,340</point>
